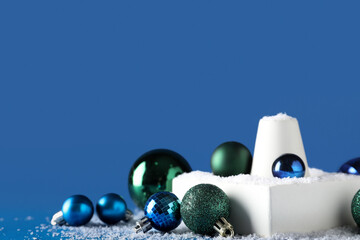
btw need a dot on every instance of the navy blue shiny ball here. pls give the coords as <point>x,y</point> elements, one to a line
<point>288,165</point>
<point>351,167</point>
<point>111,208</point>
<point>163,210</point>
<point>77,210</point>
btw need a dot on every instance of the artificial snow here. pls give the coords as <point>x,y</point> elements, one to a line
<point>316,175</point>
<point>97,230</point>
<point>29,218</point>
<point>277,117</point>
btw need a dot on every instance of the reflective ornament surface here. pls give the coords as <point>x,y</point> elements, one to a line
<point>153,172</point>
<point>163,210</point>
<point>203,206</point>
<point>351,167</point>
<point>231,158</point>
<point>355,208</point>
<point>77,210</point>
<point>288,165</point>
<point>111,208</point>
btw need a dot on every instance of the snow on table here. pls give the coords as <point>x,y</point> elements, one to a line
<point>98,230</point>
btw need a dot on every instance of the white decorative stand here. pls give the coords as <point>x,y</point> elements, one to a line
<point>263,204</point>
<point>266,206</point>
<point>276,135</point>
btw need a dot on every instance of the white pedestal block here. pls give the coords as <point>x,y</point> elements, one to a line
<point>276,136</point>
<point>270,205</point>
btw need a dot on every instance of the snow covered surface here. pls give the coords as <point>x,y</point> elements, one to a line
<point>35,228</point>
<point>277,117</point>
<point>97,230</point>
<point>316,175</point>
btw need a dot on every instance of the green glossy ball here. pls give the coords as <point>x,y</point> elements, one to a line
<point>202,206</point>
<point>231,158</point>
<point>355,208</point>
<point>153,172</point>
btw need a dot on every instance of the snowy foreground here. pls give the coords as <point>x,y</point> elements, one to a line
<point>97,230</point>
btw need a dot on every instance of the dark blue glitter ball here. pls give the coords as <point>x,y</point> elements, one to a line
<point>163,210</point>
<point>351,167</point>
<point>288,165</point>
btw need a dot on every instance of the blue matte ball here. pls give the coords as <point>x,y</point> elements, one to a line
<point>111,208</point>
<point>288,166</point>
<point>163,210</point>
<point>77,210</point>
<point>351,167</point>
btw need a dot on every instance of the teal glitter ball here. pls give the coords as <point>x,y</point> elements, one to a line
<point>202,206</point>
<point>355,208</point>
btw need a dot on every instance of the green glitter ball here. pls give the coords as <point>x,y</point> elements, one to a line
<point>202,206</point>
<point>153,172</point>
<point>231,158</point>
<point>355,208</point>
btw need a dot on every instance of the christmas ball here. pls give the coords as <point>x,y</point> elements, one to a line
<point>163,210</point>
<point>355,208</point>
<point>288,165</point>
<point>202,206</point>
<point>77,210</point>
<point>111,208</point>
<point>351,167</point>
<point>231,158</point>
<point>153,172</point>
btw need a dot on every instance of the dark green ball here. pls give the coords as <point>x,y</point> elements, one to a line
<point>355,208</point>
<point>202,206</point>
<point>231,158</point>
<point>153,172</point>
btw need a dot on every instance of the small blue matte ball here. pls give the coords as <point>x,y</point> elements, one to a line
<point>288,165</point>
<point>111,208</point>
<point>77,210</point>
<point>163,210</point>
<point>351,167</point>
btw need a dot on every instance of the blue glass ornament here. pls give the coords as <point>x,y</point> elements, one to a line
<point>288,165</point>
<point>77,210</point>
<point>351,167</point>
<point>111,209</point>
<point>162,212</point>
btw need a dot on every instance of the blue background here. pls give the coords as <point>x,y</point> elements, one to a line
<point>86,87</point>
